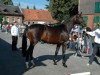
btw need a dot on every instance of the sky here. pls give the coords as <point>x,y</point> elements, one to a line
<point>39,4</point>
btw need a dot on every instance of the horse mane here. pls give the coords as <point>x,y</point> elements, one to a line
<point>67,20</point>
<point>39,26</point>
<point>68,24</point>
<point>56,26</point>
<point>36,25</point>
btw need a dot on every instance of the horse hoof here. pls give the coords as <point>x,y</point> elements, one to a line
<point>27,65</point>
<point>33,66</point>
<point>64,65</point>
<point>32,62</point>
<point>26,69</point>
<point>55,62</point>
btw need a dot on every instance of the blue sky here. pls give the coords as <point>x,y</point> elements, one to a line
<point>39,4</point>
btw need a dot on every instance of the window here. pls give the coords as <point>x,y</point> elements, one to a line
<point>18,20</point>
<point>7,19</point>
<point>16,11</point>
<point>5,10</point>
<point>4,19</point>
<point>97,7</point>
<point>13,19</point>
<point>85,18</point>
<point>97,19</point>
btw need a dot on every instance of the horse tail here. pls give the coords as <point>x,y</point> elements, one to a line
<point>24,42</point>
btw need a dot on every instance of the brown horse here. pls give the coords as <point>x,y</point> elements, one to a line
<point>58,35</point>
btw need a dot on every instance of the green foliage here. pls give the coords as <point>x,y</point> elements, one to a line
<point>7,2</point>
<point>5,22</point>
<point>34,7</point>
<point>61,9</point>
<point>1,19</point>
<point>47,6</point>
<point>27,7</point>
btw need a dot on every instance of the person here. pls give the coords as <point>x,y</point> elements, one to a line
<point>15,34</point>
<point>84,39</point>
<point>96,34</point>
<point>8,28</point>
<point>0,26</point>
<point>29,24</point>
<point>94,26</point>
<point>89,42</point>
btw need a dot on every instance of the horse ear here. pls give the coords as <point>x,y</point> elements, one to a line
<point>80,14</point>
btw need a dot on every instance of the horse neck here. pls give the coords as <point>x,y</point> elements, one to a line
<point>69,26</point>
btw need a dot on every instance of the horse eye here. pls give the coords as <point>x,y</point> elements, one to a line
<point>81,17</point>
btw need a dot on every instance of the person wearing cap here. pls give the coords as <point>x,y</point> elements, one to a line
<point>15,34</point>
<point>96,35</point>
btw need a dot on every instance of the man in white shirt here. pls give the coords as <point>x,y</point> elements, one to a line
<point>96,34</point>
<point>14,33</point>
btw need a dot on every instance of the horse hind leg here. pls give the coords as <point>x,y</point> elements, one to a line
<point>24,45</point>
<point>63,55</point>
<point>56,52</point>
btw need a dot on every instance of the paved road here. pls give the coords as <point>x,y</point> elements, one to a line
<point>12,63</point>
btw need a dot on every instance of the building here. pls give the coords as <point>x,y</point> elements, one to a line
<point>90,10</point>
<point>11,13</point>
<point>37,16</point>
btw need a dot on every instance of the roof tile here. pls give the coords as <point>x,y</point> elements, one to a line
<point>37,15</point>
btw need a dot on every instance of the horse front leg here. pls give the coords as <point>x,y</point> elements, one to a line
<point>29,56</point>
<point>63,55</point>
<point>56,52</point>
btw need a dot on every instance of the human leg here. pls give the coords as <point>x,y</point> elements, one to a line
<point>91,58</point>
<point>14,42</point>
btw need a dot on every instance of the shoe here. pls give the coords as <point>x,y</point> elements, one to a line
<point>88,64</point>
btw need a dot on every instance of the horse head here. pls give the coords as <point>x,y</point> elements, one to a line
<point>78,19</point>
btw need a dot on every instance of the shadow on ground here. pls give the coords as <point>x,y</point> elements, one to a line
<point>11,63</point>
<point>39,60</point>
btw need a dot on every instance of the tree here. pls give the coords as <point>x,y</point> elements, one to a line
<point>74,8</point>
<point>62,9</point>
<point>27,7</point>
<point>1,18</point>
<point>19,4</point>
<point>47,6</point>
<point>7,2</point>
<point>34,7</point>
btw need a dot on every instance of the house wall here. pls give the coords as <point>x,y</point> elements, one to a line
<point>87,7</point>
<point>11,19</point>
<point>38,22</point>
<point>90,20</point>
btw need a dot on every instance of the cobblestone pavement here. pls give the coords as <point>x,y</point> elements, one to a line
<point>12,63</point>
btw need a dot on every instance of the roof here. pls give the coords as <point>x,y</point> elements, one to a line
<point>10,10</point>
<point>37,15</point>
